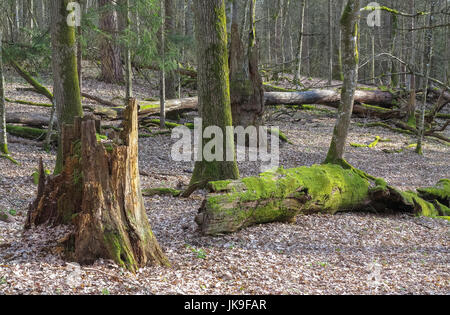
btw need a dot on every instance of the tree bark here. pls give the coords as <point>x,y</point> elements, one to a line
<point>428,54</point>
<point>247,94</point>
<point>169,27</point>
<point>99,193</point>
<point>3,138</point>
<point>111,63</point>
<point>298,68</point>
<point>66,88</point>
<point>349,24</point>
<point>213,87</point>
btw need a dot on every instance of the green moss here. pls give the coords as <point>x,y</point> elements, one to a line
<point>273,88</point>
<point>36,175</point>
<point>170,125</point>
<point>28,103</point>
<point>26,132</point>
<point>148,106</point>
<point>119,251</point>
<point>278,133</point>
<point>440,192</point>
<point>108,147</point>
<point>161,192</point>
<point>319,182</point>
<point>371,145</point>
<point>422,206</point>
<point>100,137</point>
<point>217,186</point>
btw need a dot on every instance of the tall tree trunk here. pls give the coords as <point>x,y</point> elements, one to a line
<point>300,44</point>
<point>66,88</point>
<point>111,63</point>
<point>247,95</point>
<point>330,42</point>
<point>99,194</point>
<point>411,110</point>
<point>169,27</point>
<point>349,24</point>
<point>213,87</point>
<point>428,54</point>
<point>3,138</point>
<point>162,72</point>
<point>128,67</point>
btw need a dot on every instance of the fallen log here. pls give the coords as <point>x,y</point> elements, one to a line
<point>27,119</point>
<point>36,134</point>
<point>99,100</point>
<point>178,106</point>
<point>328,97</point>
<point>325,97</point>
<point>281,195</point>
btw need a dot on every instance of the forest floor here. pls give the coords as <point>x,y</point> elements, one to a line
<point>348,253</point>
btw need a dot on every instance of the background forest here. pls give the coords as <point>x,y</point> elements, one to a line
<point>355,93</point>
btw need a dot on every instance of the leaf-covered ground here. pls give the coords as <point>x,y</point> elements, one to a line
<point>349,253</point>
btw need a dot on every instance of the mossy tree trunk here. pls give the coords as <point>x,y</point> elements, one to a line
<point>66,88</point>
<point>3,138</point>
<point>350,55</point>
<point>99,193</point>
<point>246,88</point>
<point>213,86</point>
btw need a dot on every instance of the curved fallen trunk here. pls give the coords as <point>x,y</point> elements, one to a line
<point>280,196</point>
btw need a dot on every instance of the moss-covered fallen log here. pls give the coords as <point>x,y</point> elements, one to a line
<point>32,81</point>
<point>163,191</point>
<point>281,195</point>
<point>439,192</point>
<point>36,134</point>
<point>26,132</point>
<point>22,102</point>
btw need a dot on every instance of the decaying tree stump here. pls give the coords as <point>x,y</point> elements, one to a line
<point>99,193</point>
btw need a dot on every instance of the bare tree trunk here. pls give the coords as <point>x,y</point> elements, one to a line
<point>111,63</point>
<point>3,138</point>
<point>169,27</point>
<point>247,95</point>
<point>411,110</point>
<point>162,73</point>
<point>428,54</point>
<point>300,44</point>
<point>330,42</point>
<point>349,24</point>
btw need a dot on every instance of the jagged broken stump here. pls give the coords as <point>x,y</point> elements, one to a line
<point>99,193</point>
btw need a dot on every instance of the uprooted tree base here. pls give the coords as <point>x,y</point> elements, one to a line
<point>280,196</point>
<point>99,193</point>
